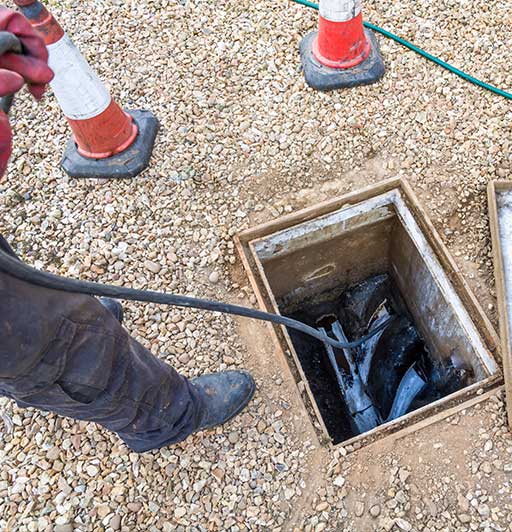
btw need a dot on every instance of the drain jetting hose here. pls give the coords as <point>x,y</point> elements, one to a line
<point>15,268</point>
<point>426,55</point>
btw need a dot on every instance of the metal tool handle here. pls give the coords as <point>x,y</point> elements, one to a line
<point>8,43</point>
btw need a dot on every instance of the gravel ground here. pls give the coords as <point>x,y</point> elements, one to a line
<point>244,140</point>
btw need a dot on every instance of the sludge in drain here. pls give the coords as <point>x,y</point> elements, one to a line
<point>391,374</point>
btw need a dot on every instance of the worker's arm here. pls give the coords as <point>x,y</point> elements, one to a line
<point>31,68</point>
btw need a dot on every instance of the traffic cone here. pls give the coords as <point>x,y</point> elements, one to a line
<point>342,53</point>
<point>106,141</point>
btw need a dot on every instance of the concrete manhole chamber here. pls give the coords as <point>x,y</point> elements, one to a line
<point>314,264</point>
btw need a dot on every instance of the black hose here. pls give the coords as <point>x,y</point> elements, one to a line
<point>8,43</point>
<point>15,268</point>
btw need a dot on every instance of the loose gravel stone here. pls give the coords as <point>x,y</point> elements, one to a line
<point>214,277</point>
<point>402,524</point>
<point>359,508</point>
<point>322,506</point>
<point>103,510</point>
<point>375,510</point>
<point>92,471</point>
<point>180,512</point>
<point>115,522</point>
<point>64,528</point>
<point>233,437</point>
<point>152,266</point>
<point>134,506</point>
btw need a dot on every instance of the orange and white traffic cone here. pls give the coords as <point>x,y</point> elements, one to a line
<point>107,141</point>
<point>342,53</point>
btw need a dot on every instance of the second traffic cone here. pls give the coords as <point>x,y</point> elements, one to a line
<point>342,53</point>
<point>107,141</point>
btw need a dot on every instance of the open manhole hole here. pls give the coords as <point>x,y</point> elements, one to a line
<point>347,266</point>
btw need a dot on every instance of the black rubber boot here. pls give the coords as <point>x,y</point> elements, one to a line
<point>224,396</point>
<point>114,307</point>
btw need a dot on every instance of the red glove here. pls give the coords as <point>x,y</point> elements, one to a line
<point>5,140</point>
<point>31,67</point>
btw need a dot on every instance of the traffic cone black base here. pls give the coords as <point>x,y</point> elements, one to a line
<point>324,78</point>
<point>128,163</point>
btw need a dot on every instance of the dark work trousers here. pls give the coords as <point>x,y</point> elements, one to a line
<point>66,353</point>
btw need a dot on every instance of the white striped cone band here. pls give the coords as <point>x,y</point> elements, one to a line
<point>339,10</point>
<point>80,92</point>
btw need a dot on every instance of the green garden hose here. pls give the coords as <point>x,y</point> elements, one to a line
<point>426,55</point>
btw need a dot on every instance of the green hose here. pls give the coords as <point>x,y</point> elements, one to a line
<point>421,52</point>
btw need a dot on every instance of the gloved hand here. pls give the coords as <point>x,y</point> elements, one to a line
<point>5,140</point>
<point>31,67</point>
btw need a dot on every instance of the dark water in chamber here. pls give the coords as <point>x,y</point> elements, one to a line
<point>399,347</point>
